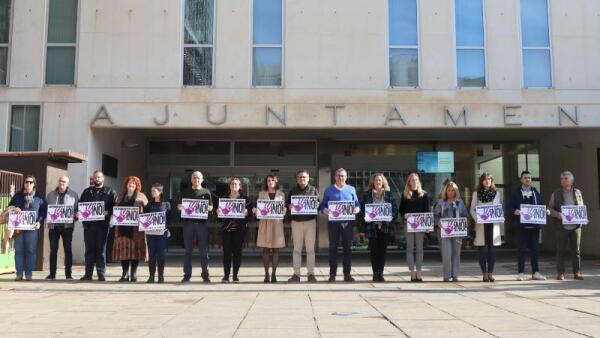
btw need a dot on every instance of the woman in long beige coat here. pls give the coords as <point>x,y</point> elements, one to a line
<point>270,232</point>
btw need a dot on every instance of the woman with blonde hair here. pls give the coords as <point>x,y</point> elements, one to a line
<point>487,235</point>
<point>130,244</point>
<point>378,233</point>
<point>450,205</point>
<point>414,200</point>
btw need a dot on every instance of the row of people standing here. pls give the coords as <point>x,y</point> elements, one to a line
<point>130,244</point>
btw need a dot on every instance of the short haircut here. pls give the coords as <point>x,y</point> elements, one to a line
<point>340,170</point>
<point>97,172</point>
<point>568,174</point>
<point>302,171</point>
<point>197,173</point>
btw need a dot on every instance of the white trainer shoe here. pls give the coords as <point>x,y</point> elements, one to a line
<point>521,277</point>
<point>538,276</point>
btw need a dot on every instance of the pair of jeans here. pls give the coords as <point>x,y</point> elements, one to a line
<point>529,238</point>
<point>95,237</point>
<point>414,239</point>
<point>157,245</point>
<point>487,252</point>
<point>232,250</point>
<point>54,236</point>
<point>345,230</point>
<point>25,250</point>
<point>199,231</point>
<point>378,251</point>
<point>571,239</point>
<point>304,234</point>
<point>450,257</point>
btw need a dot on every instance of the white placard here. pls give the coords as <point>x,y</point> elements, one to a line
<point>152,221</point>
<point>454,227</point>
<point>532,214</point>
<point>60,214</point>
<point>270,209</point>
<point>341,210</point>
<point>231,208</point>
<point>91,211</point>
<point>574,214</point>
<point>378,212</point>
<point>419,222</point>
<point>194,208</point>
<point>305,205</point>
<point>125,216</point>
<point>490,213</point>
<point>24,220</point>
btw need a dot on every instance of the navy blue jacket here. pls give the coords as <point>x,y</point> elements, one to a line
<point>38,204</point>
<point>516,199</point>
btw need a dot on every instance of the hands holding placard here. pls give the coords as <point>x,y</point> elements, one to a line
<point>356,211</point>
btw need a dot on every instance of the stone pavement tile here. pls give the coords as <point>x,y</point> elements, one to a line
<point>374,333</point>
<point>511,322</point>
<point>536,334</point>
<point>277,333</point>
<point>450,324</point>
<point>426,332</point>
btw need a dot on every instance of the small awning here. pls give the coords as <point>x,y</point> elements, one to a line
<point>64,156</point>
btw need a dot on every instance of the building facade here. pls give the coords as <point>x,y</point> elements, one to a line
<point>452,88</point>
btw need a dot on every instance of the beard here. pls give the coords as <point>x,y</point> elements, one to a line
<point>98,184</point>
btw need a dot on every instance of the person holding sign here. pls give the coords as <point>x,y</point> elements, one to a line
<point>487,234</point>
<point>529,220</point>
<point>62,206</point>
<point>270,230</point>
<point>233,230</point>
<point>28,202</point>
<point>157,240</point>
<point>303,202</point>
<point>195,227</point>
<point>341,205</point>
<point>130,244</point>
<point>378,214</point>
<point>414,200</point>
<point>99,201</point>
<point>569,234</point>
<point>450,206</point>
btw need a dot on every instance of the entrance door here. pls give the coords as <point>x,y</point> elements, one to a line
<point>217,180</point>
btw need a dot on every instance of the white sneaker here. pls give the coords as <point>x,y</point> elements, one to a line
<point>538,276</point>
<point>521,277</point>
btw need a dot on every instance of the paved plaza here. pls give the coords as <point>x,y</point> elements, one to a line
<point>396,308</point>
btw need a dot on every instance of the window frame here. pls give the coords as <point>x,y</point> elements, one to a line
<point>281,46</point>
<point>51,44</point>
<point>10,128</point>
<point>548,48</point>
<point>458,48</point>
<point>8,44</point>
<point>188,45</point>
<point>412,47</point>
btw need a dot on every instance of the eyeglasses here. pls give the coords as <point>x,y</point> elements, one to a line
<point>29,182</point>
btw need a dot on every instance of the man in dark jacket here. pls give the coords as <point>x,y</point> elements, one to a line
<point>528,233</point>
<point>95,233</point>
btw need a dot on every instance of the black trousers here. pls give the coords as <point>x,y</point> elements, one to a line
<point>232,250</point>
<point>54,236</point>
<point>529,239</point>
<point>94,237</point>
<point>487,253</point>
<point>378,250</point>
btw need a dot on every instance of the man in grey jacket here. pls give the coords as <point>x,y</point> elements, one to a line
<point>569,234</point>
<point>62,195</point>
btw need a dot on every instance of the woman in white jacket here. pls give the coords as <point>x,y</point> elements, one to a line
<point>487,235</point>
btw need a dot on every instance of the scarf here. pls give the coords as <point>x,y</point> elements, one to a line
<point>28,198</point>
<point>486,196</point>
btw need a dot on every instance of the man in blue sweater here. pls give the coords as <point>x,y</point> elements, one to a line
<point>340,191</point>
<point>528,234</point>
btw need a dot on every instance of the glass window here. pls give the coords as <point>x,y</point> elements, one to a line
<point>470,43</point>
<point>470,67</point>
<point>267,42</point>
<point>4,38</point>
<point>274,153</point>
<point>535,36</point>
<point>536,68</point>
<point>24,128</point>
<point>62,42</point>
<point>404,45</point>
<point>404,67</point>
<point>198,42</point>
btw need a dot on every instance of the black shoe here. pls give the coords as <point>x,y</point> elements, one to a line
<point>150,279</point>
<point>348,278</point>
<point>51,277</point>
<point>236,279</point>
<point>161,279</point>
<point>294,279</point>
<point>124,278</point>
<point>225,279</point>
<point>205,279</point>
<point>69,277</point>
<point>86,278</point>
<point>186,279</point>
<point>133,278</point>
<point>101,278</point>
<point>273,279</point>
<point>419,280</point>
<point>267,279</point>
